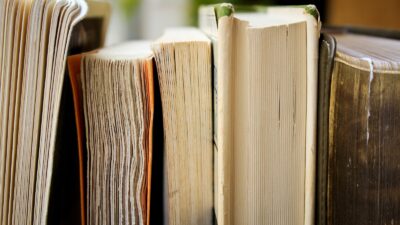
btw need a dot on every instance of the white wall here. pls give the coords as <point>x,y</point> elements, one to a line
<point>148,21</point>
<point>156,15</point>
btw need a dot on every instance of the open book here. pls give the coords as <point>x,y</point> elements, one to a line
<point>35,40</point>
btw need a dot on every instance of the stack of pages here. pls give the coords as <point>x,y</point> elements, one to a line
<point>34,42</point>
<point>265,93</point>
<point>250,119</point>
<point>115,88</point>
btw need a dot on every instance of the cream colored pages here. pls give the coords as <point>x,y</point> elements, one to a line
<point>14,28</point>
<point>227,60</point>
<point>208,24</point>
<point>263,112</point>
<point>3,8</point>
<point>7,87</point>
<point>311,16</point>
<point>118,107</point>
<point>251,189</point>
<point>33,32</point>
<point>2,30</point>
<point>52,90</point>
<point>14,98</point>
<point>183,59</point>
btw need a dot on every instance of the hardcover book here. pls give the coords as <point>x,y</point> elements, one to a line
<point>358,127</point>
<point>265,112</point>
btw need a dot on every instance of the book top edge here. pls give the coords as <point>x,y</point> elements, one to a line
<point>130,50</point>
<point>227,9</point>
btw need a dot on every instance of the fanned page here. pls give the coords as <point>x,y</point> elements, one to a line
<point>66,189</point>
<point>183,58</point>
<point>363,158</point>
<point>118,105</point>
<point>265,113</point>
<point>34,40</point>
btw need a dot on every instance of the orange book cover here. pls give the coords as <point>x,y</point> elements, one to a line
<point>74,67</point>
<point>149,73</point>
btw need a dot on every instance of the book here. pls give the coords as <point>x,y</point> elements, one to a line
<point>35,39</point>
<point>114,108</point>
<point>113,91</point>
<point>265,93</point>
<point>252,119</point>
<point>183,61</point>
<point>327,48</point>
<point>359,176</point>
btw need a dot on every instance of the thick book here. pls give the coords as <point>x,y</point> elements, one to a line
<point>265,112</point>
<point>35,40</point>
<point>358,127</point>
<point>114,97</point>
<point>113,90</point>
<point>183,60</point>
<point>327,49</point>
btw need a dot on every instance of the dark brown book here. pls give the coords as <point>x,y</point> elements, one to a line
<point>358,156</point>
<point>327,50</point>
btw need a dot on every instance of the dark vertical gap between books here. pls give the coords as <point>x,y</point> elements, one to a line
<point>64,201</point>
<point>64,205</point>
<point>157,177</point>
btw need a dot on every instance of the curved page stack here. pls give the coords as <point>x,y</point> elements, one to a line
<point>34,41</point>
<point>118,103</point>
<point>183,59</point>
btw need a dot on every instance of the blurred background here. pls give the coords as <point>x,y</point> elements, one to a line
<point>147,19</point>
